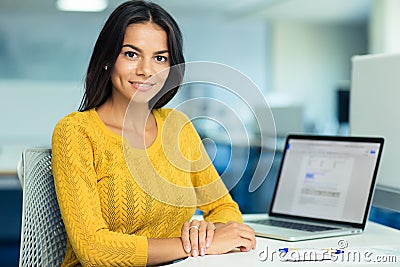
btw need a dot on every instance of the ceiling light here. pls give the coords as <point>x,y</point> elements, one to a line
<point>82,5</point>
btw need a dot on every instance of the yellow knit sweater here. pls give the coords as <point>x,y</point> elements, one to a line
<point>113,197</point>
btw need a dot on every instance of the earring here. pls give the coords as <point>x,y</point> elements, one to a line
<point>106,67</point>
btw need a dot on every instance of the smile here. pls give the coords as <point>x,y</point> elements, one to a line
<point>141,86</point>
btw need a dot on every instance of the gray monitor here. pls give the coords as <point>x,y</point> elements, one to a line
<point>375,111</point>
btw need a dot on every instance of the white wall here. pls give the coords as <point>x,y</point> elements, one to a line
<point>43,58</point>
<point>243,44</point>
<point>29,111</point>
<point>310,61</point>
<point>47,46</point>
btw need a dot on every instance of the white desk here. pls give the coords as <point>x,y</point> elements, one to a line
<point>378,242</point>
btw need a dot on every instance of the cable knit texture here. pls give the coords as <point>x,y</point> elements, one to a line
<point>113,197</point>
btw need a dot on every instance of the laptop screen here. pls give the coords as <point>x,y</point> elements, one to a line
<point>330,178</point>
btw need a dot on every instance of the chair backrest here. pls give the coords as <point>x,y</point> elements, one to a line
<point>43,236</point>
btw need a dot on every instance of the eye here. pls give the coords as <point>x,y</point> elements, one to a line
<point>161,59</point>
<point>130,54</point>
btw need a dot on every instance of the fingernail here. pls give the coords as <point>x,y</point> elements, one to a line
<point>195,253</point>
<point>208,244</point>
<point>202,251</point>
<point>187,249</point>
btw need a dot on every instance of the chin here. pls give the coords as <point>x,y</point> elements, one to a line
<point>143,97</point>
<point>140,100</point>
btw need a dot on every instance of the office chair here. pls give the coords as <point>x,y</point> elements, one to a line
<point>43,235</point>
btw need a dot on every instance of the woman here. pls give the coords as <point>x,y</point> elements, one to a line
<point>128,173</point>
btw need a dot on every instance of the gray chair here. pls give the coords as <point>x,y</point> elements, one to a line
<point>43,236</point>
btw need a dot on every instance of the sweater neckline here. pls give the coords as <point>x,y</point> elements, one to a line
<point>122,140</point>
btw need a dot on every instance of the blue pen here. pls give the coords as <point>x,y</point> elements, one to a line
<point>337,251</point>
<point>327,250</point>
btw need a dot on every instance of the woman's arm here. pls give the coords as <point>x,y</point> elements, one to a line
<point>230,236</point>
<point>78,197</point>
<point>214,200</point>
<point>226,238</point>
<point>163,250</point>
<point>77,192</point>
<point>197,236</point>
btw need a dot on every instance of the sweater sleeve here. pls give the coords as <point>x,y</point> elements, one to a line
<point>213,198</point>
<point>76,187</point>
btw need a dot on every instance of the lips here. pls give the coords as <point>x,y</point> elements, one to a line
<point>142,86</point>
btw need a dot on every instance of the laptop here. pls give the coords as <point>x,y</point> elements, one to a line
<point>324,187</point>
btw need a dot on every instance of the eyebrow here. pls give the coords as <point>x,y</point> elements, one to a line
<point>141,51</point>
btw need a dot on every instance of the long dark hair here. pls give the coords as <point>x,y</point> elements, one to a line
<point>98,87</point>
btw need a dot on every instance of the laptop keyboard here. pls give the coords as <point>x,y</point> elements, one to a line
<point>294,225</point>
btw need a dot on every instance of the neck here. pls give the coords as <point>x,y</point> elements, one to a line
<point>138,117</point>
<point>134,117</point>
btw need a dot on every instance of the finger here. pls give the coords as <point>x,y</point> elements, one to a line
<point>194,237</point>
<point>202,237</point>
<point>195,222</point>
<point>254,240</point>
<point>244,245</point>
<point>244,231</point>
<point>185,237</point>
<point>252,234</point>
<point>210,234</point>
<point>244,249</point>
<point>248,233</point>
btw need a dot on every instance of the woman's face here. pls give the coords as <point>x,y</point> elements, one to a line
<point>143,64</point>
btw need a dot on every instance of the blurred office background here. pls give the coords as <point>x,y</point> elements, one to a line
<point>297,52</point>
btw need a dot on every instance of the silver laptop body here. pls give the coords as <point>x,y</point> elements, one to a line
<point>324,188</point>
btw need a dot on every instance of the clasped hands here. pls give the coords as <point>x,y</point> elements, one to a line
<point>201,238</point>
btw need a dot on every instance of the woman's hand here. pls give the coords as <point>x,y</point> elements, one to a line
<point>197,237</point>
<point>230,236</point>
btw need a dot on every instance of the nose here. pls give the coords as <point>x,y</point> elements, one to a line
<point>144,68</point>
